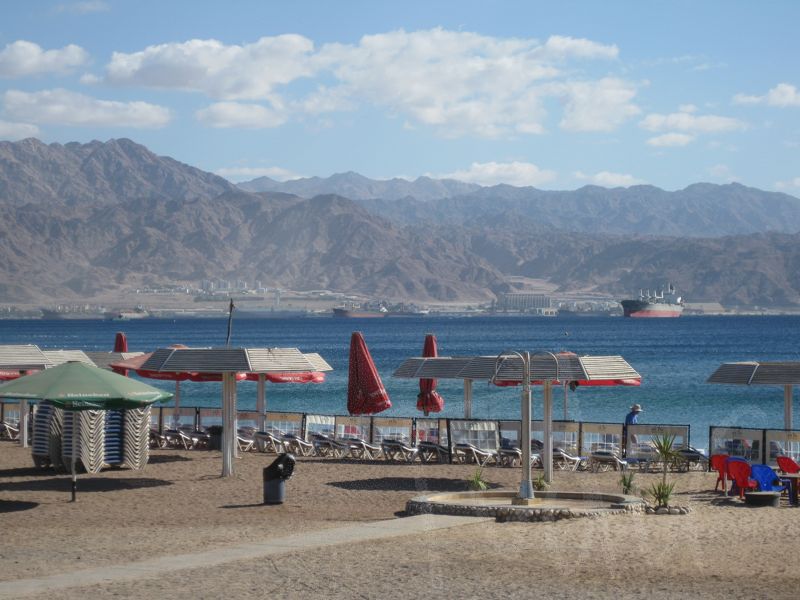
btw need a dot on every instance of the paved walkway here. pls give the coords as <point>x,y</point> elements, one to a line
<point>157,567</point>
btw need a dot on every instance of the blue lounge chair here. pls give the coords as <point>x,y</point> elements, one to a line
<point>768,480</point>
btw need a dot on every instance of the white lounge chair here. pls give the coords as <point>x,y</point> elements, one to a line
<point>398,451</point>
<point>297,445</point>
<point>465,452</point>
<point>431,452</point>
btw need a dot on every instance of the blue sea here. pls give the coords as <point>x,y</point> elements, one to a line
<point>674,357</point>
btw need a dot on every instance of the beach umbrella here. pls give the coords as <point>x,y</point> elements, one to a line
<point>77,386</point>
<point>785,373</point>
<point>365,392</point>
<point>120,345</point>
<point>428,399</point>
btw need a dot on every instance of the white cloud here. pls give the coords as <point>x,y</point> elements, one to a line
<point>690,123</point>
<point>782,95</point>
<point>63,107</point>
<point>608,179</point>
<point>236,114</point>
<point>671,140</point>
<point>597,105</point>
<point>81,8</point>
<point>22,58</point>
<point>248,173</point>
<point>567,47</point>
<point>459,83</point>
<point>791,184</point>
<point>492,173</point>
<point>721,172</point>
<point>687,108</point>
<point>17,131</point>
<point>247,72</point>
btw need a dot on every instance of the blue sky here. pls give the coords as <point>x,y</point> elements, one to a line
<point>551,94</point>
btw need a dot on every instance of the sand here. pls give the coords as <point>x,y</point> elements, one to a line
<point>180,505</point>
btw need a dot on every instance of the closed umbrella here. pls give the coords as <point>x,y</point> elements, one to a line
<point>365,392</point>
<point>120,345</point>
<point>428,399</point>
<point>77,386</point>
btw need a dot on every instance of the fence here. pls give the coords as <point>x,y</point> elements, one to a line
<point>750,443</point>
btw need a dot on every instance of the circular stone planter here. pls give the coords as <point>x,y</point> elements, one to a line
<point>547,506</point>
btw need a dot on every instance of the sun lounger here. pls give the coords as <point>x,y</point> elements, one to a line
<point>177,438</point>
<point>509,457</point>
<point>297,445</point>
<point>328,446</point>
<point>603,461</point>
<point>362,449</point>
<point>465,452</point>
<point>266,442</point>
<point>566,462</point>
<point>397,451</point>
<point>158,440</point>
<point>430,452</point>
<point>8,430</point>
<point>245,444</point>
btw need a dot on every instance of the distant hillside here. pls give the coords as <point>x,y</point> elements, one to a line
<point>107,172</point>
<point>357,187</point>
<point>81,219</point>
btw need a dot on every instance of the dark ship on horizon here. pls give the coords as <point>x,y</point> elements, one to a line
<point>658,305</point>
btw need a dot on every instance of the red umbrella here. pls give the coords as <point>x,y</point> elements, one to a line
<point>289,377</point>
<point>8,375</point>
<point>365,392</point>
<point>428,399</point>
<point>120,345</point>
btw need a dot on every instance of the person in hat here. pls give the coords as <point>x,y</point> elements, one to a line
<point>632,418</point>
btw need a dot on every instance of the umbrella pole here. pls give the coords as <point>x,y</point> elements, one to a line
<point>787,406</point>
<point>261,401</point>
<point>566,401</point>
<point>468,398</point>
<point>525,486</point>
<point>548,431</point>
<point>227,446</point>
<point>72,455</point>
<point>176,413</point>
<point>24,412</point>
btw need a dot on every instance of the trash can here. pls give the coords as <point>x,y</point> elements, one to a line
<point>275,476</point>
<point>214,437</point>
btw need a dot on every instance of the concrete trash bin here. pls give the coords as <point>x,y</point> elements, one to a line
<point>275,476</point>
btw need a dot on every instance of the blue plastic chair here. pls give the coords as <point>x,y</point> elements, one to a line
<point>768,480</point>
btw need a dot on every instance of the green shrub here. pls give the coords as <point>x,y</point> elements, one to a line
<point>540,484</point>
<point>626,481</point>
<point>477,483</point>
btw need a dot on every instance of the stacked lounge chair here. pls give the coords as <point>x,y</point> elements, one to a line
<point>136,437</point>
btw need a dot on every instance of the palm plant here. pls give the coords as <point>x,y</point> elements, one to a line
<point>663,446</point>
<point>626,481</point>
<point>477,482</point>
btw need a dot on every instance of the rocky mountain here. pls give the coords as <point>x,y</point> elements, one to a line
<point>700,210</point>
<point>105,172</point>
<point>357,187</point>
<point>81,219</point>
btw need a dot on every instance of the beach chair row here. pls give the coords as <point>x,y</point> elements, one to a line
<point>737,475</point>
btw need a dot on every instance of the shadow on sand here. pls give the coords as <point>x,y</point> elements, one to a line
<point>407,484</point>
<point>63,483</point>
<point>7,506</point>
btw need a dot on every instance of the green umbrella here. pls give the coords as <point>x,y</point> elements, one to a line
<point>78,386</point>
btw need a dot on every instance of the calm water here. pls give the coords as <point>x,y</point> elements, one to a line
<point>674,357</point>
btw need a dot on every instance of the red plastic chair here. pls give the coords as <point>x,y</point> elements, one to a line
<point>717,463</point>
<point>787,464</point>
<point>739,471</point>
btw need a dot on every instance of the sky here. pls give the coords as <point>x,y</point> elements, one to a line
<point>555,95</point>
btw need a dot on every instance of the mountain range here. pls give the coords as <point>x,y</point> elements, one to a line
<point>108,217</point>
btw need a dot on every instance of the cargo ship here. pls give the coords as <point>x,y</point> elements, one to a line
<point>359,313</point>
<point>659,304</point>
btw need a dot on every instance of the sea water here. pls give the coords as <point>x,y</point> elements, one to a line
<point>674,357</point>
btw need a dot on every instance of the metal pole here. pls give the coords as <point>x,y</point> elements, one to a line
<point>787,406</point>
<point>566,401</point>
<point>72,457</point>
<point>261,400</point>
<point>468,398</point>
<point>548,430</point>
<point>526,486</point>
<point>24,414</point>
<point>227,446</point>
<point>176,412</point>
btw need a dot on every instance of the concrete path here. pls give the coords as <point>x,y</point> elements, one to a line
<point>157,567</point>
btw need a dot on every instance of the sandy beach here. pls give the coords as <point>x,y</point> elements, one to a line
<point>179,505</point>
